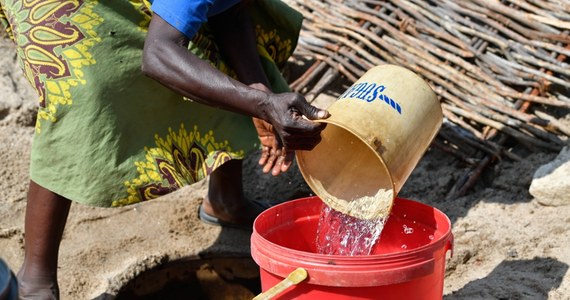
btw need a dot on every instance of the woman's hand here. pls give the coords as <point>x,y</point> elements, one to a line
<point>290,129</point>
<point>273,158</point>
<point>292,119</point>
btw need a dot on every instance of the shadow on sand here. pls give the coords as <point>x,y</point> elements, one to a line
<point>528,275</point>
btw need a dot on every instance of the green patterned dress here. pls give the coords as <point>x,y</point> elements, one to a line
<point>106,135</point>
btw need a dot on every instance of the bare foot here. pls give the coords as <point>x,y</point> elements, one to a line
<point>37,288</point>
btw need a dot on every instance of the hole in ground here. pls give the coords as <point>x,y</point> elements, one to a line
<point>203,278</point>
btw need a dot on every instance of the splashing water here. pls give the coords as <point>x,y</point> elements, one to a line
<point>341,234</point>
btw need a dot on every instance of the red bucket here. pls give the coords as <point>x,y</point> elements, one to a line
<point>404,265</point>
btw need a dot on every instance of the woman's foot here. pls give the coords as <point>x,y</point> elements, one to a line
<point>241,218</point>
<point>225,204</point>
<point>46,215</point>
<point>37,288</point>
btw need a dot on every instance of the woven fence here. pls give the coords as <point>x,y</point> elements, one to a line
<point>500,68</point>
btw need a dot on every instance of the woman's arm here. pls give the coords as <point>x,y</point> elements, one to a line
<point>167,60</point>
<point>239,47</point>
<point>235,36</point>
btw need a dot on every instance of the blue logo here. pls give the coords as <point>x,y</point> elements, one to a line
<point>369,92</point>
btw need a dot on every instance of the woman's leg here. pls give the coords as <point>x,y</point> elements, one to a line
<point>46,215</point>
<point>225,199</point>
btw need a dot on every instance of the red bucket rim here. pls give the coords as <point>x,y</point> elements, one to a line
<point>280,260</point>
<point>444,237</point>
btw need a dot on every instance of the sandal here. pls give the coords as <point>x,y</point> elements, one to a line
<point>211,220</point>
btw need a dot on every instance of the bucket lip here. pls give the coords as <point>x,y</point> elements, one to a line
<point>316,258</point>
<point>354,133</point>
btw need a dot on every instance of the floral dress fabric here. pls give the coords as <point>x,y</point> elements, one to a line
<point>106,135</point>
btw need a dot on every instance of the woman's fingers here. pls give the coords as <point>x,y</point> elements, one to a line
<point>276,161</point>
<point>283,163</point>
<point>264,155</point>
<point>312,112</point>
<point>274,153</point>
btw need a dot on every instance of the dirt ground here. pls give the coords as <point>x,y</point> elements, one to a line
<point>507,245</point>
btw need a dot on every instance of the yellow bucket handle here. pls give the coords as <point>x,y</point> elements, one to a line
<point>294,277</point>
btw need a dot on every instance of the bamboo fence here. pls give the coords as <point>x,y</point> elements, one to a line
<point>500,68</point>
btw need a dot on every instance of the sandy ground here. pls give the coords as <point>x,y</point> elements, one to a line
<point>507,245</point>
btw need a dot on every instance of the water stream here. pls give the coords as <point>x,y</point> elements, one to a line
<point>341,234</point>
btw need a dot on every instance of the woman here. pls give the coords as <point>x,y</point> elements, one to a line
<point>137,101</point>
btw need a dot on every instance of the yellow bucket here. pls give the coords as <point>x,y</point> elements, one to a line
<point>378,131</point>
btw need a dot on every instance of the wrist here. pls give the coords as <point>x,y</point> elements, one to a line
<point>262,105</point>
<point>260,86</point>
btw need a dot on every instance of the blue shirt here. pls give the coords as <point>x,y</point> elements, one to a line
<point>188,15</point>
